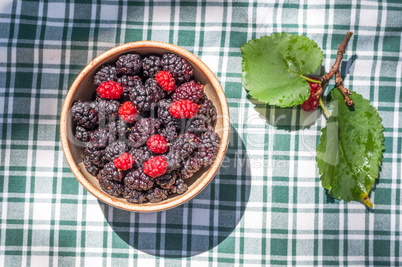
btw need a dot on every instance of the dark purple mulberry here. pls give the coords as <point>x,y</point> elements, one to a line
<point>95,152</point>
<point>107,109</point>
<point>173,160</point>
<point>141,131</point>
<point>90,167</point>
<point>118,130</point>
<point>114,150</point>
<point>140,155</point>
<point>141,97</point>
<point>207,109</point>
<point>129,64</point>
<point>190,166</point>
<point>110,172</point>
<point>208,147</point>
<point>81,134</point>
<point>197,124</point>
<point>102,137</point>
<point>128,82</point>
<point>179,187</point>
<point>189,91</point>
<point>156,194</point>
<point>85,115</point>
<point>138,180</point>
<point>157,91</point>
<point>111,187</point>
<point>167,180</point>
<point>164,114</point>
<point>169,133</point>
<point>134,196</point>
<point>185,144</point>
<point>105,73</point>
<point>180,69</point>
<point>151,66</point>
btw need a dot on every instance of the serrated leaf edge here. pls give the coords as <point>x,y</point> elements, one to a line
<point>379,161</point>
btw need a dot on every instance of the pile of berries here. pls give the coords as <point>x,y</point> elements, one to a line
<point>148,128</point>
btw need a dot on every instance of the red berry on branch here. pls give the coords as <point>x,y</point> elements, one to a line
<point>312,102</point>
<point>314,86</point>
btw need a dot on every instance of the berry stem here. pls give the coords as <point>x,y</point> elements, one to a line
<point>346,92</point>
<point>335,68</point>
<point>310,80</point>
<point>366,200</point>
<point>323,107</point>
<point>335,72</point>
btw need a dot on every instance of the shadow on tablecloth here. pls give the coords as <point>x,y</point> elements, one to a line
<point>197,226</point>
<point>287,119</point>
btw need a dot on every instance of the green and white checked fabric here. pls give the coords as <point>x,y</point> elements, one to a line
<point>264,207</point>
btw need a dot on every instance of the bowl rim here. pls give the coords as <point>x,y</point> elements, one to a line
<point>210,173</point>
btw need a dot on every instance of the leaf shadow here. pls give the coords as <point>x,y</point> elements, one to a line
<point>195,226</point>
<point>373,188</point>
<point>328,197</point>
<point>288,119</point>
<point>346,65</point>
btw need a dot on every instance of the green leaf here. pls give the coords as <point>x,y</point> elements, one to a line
<point>273,67</point>
<point>350,150</point>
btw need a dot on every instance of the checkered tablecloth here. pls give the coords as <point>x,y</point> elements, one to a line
<point>265,206</point>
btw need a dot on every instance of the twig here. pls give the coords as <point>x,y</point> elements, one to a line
<point>319,91</point>
<point>345,91</point>
<point>335,68</point>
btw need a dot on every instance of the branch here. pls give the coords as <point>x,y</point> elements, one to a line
<point>335,68</point>
<point>345,91</point>
<point>319,91</point>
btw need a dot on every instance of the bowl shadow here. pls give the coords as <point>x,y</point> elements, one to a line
<point>195,226</point>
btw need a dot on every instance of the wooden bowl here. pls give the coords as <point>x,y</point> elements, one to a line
<point>83,88</point>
